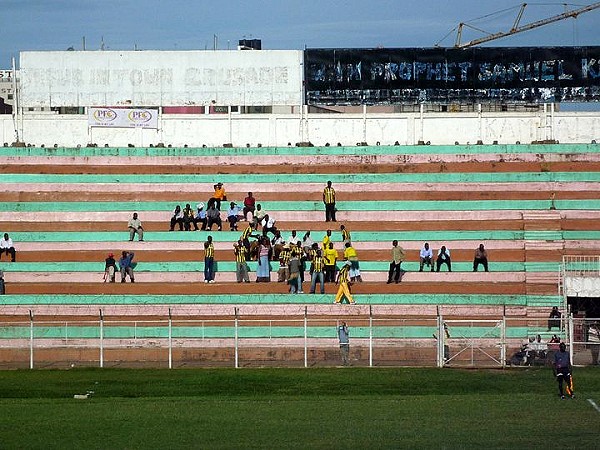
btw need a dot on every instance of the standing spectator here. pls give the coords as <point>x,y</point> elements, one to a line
<point>294,278</point>
<point>245,238</point>
<point>110,267</point>
<point>593,339</point>
<point>209,261</point>
<point>345,234</point>
<point>213,216</point>
<point>283,273</point>
<point>443,257</point>
<point>263,270</point>
<point>562,369</point>
<point>188,218</point>
<point>480,258</point>
<point>397,258</point>
<point>200,216</point>
<point>318,267</point>
<point>177,218</point>
<point>249,207</point>
<point>344,340</point>
<point>351,255</point>
<point>425,257</point>
<point>135,226</point>
<point>7,247</point>
<point>344,285</point>
<point>241,267</point>
<point>554,320</point>
<point>233,216</point>
<point>126,266</point>
<point>326,239</point>
<point>329,201</point>
<point>331,256</point>
<point>219,195</point>
<point>277,243</point>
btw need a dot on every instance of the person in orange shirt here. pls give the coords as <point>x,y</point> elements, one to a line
<point>219,195</point>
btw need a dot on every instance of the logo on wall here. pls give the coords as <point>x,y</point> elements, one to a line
<point>123,118</point>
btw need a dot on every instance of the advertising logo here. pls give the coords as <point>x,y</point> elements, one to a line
<point>139,116</point>
<point>105,115</point>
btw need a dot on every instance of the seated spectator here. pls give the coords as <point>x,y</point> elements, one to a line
<point>2,287</point>
<point>233,216</point>
<point>425,257</point>
<point>443,257</point>
<point>277,243</point>
<point>218,196</point>
<point>480,258</point>
<point>293,237</point>
<point>126,266</point>
<point>177,218</point>
<point>7,247</point>
<point>268,225</point>
<point>259,215</point>
<point>555,316</point>
<point>135,226</point>
<point>213,217</point>
<point>249,207</point>
<point>110,268</point>
<point>200,216</point>
<point>188,218</point>
<point>307,242</point>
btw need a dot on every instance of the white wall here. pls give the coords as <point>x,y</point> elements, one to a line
<point>278,130</point>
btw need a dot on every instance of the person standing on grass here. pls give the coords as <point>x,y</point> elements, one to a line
<point>329,201</point>
<point>562,370</point>
<point>209,261</point>
<point>344,340</point>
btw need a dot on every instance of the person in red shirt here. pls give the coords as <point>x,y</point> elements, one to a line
<point>249,206</point>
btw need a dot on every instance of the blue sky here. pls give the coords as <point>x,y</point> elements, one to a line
<point>281,24</point>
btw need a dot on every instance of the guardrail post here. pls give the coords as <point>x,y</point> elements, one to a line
<point>305,336</point>
<point>101,339</point>
<point>30,339</point>
<point>170,340</point>
<point>370,335</point>
<point>570,336</point>
<point>503,341</point>
<point>236,337</point>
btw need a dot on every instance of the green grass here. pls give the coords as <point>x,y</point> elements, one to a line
<point>296,408</point>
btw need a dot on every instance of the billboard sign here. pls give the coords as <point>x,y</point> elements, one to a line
<point>123,118</point>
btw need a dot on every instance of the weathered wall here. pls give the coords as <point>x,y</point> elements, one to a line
<point>281,129</point>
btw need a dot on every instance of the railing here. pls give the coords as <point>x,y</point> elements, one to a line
<point>580,266</point>
<point>276,341</point>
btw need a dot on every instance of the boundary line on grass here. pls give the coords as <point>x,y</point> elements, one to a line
<point>593,403</point>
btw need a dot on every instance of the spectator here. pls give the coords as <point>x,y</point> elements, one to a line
<point>213,217</point>
<point>268,225</point>
<point>7,247</point>
<point>317,275</point>
<point>188,218</point>
<point>294,278</point>
<point>259,215</point>
<point>283,274</point>
<point>480,258</point>
<point>344,340</point>
<point>307,242</point>
<point>425,257</point>
<point>241,267</point>
<point>326,239</point>
<point>350,255</point>
<point>263,270</point>
<point>126,266</point>
<point>249,207</point>
<point>397,258</point>
<point>2,286</point>
<point>329,202</point>
<point>233,216</point>
<point>344,285</point>
<point>200,216</point>
<point>345,234</point>
<point>110,267</point>
<point>177,218</point>
<point>209,261</point>
<point>331,256</point>
<point>443,257</point>
<point>277,243</point>
<point>554,320</point>
<point>218,196</point>
<point>593,339</point>
<point>293,237</point>
<point>135,226</point>
<point>562,369</point>
<point>245,238</point>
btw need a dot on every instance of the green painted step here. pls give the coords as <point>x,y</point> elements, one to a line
<point>371,178</point>
<point>247,332</point>
<point>229,266</point>
<point>420,205</point>
<point>244,151</point>
<point>267,299</point>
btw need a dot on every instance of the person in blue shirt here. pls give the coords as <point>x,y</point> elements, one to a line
<point>125,264</point>
<point>233,216</point>
<point>562,369</point>
<point>344,340</point>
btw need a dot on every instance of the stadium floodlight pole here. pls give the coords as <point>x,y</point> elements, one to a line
<point>30,339</point>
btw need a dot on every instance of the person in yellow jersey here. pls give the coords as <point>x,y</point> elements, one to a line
<point>350,255</point>
<point>326,240</point>
<point>344,285</point>
<point>330,255</point>
<point>209,261</point>
<point>241,267</point>
<point>329,202</point>
<point>345,234</point>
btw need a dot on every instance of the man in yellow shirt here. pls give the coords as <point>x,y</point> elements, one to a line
<point>331,256</point>
<point>351,256</point>
<point>219,195</point>
<point>329,201</point>
<point>344,285</point>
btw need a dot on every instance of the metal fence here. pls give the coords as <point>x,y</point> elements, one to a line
<point>309,341</point>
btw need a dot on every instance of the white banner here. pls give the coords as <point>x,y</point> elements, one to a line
<point>123,118</point>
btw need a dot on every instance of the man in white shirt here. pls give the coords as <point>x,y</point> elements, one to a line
<point>425,257</point>
<point>7,247</point>
<point>135,226</point>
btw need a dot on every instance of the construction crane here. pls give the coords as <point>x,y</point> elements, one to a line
<point>517,28</point>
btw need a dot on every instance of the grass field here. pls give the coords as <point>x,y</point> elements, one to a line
<point>297,408</point>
